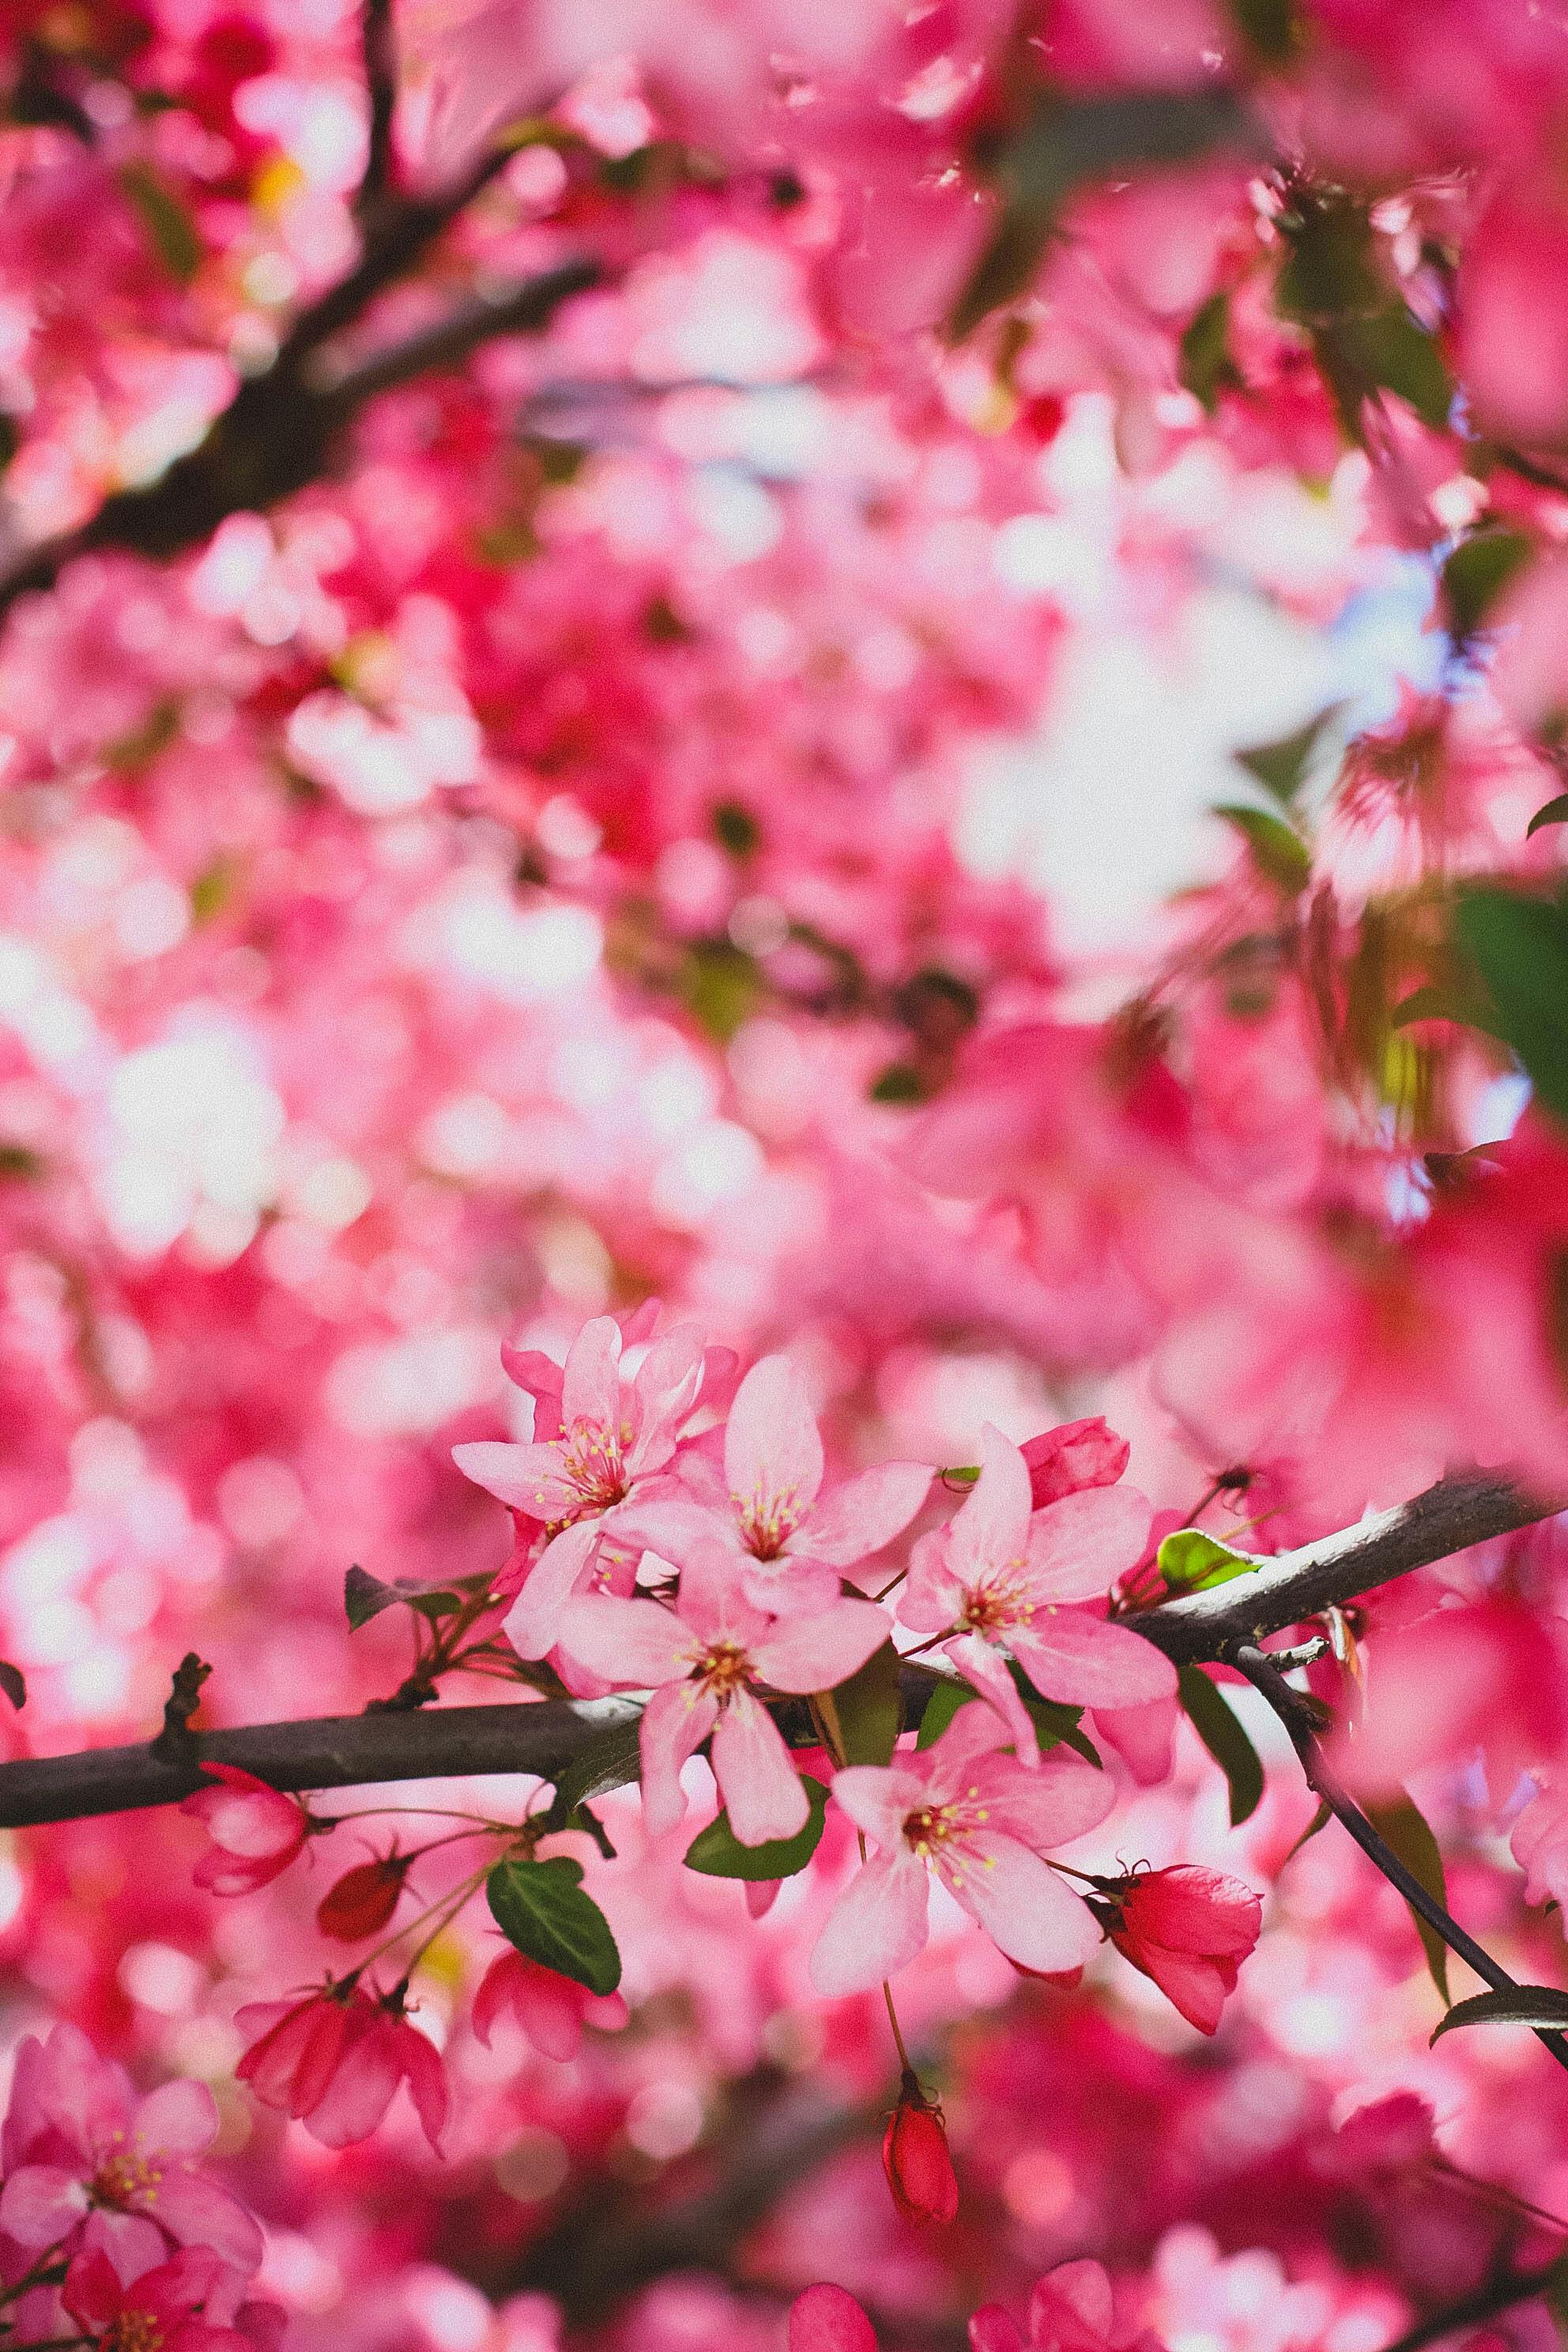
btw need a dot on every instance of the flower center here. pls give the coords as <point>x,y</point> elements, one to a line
<point>125,2181</point>
<point>591,1460</point>
<point>723,1668</point>
<point>939,1834</point>
<point>998,1603</point>
<point>133,2331</point>
<point>767,1521</point>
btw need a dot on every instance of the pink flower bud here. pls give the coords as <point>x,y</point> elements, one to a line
<point>256,1830</point>
<point>826,2319</point>
<point>1080,1454</point>
<point>363,1899</point>
<point>916,2160</point>
<point>1189,1929</point>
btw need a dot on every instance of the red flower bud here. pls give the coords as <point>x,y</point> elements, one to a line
<point>1080,1454</point>
<point>1188,1928</point>
<point>915,2159</point>
<point>364,1898</point>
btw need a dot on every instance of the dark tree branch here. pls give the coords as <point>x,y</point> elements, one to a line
<point>1297,1720</point>
<point>381,91</point>
<point>447,1742</point>
<point>1473,2310</point>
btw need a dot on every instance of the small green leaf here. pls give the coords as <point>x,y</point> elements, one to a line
<point>1204,360</point>
<point>966,1473</point>
<point>609,1761</point>
<point>365,1596</point>
<point>1554,812</point>
<point>1476,573</point>
<point>170,228</point>
<point>1394,352</point>
<point>870,1710</point>
<point>736,829</point>
<point>1056,1724</point>
<point>900,1082</point>
<point>20,1164</point>
<point>1281,768</point>
<point>717,1852</point>
<point>1226,1738</point>
<point>1400,1823</point>
<point>1269,26</point>
<point>1190,1561</point>
<point>1520,945</point>
<point>1538,2005</point>
<point>1320,1821</point>
<point>1279,852</point>
<point>542,1910</point>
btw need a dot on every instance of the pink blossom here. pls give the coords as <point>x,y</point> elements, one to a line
<point>1189,1929</point>
<point>826,2318</point>
<point>1071,2310</point>
<point>90,2165</point>
<point>256,1830</point>
<point>1078,1454</point>
<point>982,1823</point>
<point>1539,1844</point>
<point>335,2061</point>
<point>998,1574</point>
<point>171,2308</point>
<point>549,2009</point>
<point>794,1541</point>
<point>701,1659</point>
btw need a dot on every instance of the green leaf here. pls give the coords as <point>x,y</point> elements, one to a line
<point>1281,768</point>
<point>1269,26</point>
<point>900,1082</point>
<point>1393,351</point>
<point>1226,1738</point>
<point>168,227</point>
<point>870,1710</point>
<point>1477,570</point>
<point>542,1910</point>
<point>1067,142</point>
<point>1538,2005</point>
<point>1520,946</point>
<point>1279,852</point>
<point>365,1596</point>
<point>718,1854</point>
<point>1204,360</point>
<point>1554,812</point>
<point>1320,1821</point>
<point>1190,1561</point>
<point>610,1760</point>
<point>1400,1823</point>
<point>1056,1724</point>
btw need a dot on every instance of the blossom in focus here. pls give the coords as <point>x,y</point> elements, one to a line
<point>998,1573</point>
<point>794,1541</point>
<point>700,1660</point>
<point>89,2165</point>
<point>1189,1929</point>
<point>916,2158</point>
<point>549,2009</point>
<point>1078,1454</point>
<point>826,2318</point>
<point>335,2060</point>
<point>982,1823</point>
<point>171,2308</point>
<point>256,1830</point>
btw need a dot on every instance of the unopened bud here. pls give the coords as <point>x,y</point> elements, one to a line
<point>364,1898</point>
<point>915,2157</point>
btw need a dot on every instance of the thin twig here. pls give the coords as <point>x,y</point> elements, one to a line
<point>379,49</point>
<point>1294,1714</point>
<point>1471,2310</point>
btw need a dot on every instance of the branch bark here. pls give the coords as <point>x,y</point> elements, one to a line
<point>1473,2310</point>
<point>544,1737</point>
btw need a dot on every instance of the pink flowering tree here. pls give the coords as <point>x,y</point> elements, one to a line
<point>784,1176</point>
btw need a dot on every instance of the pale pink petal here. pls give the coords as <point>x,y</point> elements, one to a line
<point>1061,1799</point>
<point>361,2089</point>
<point>1087,1662</point>
<point>993,1527</point>
<point>1141,1736</point>
<point>179,2119</point>
<point>1084,2287</point>
<point>762,1893</point>
<point>712,1593</point>
<point>540,1378</point>
<point>590,1384</point>
<point>637,1643</point>
<point>427,2079</point>
<point>675,1723</point>
<point>773,1455</point>
<point>993,2329</point>
<point>818,1652</point>
<point>1078,1547</point>
<point>526,1478</point>
<point>932,1596</point>
<point>40,2204</point>
<point>789,1586</point>
<point>1021,1903</point>
<point>864,1514</point>
<point>985,1668</point>
<point>876,1799</point>
<point>533,1624</point>
<point>876,1926</point>
<point>133,2244</point>
<point>199,2213</point>
<point>665,1388</point>
<point>976,1731</point>
<point>761,1787</point>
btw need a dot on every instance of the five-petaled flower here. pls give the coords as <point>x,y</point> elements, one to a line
<point>333,2062</point>
<point>256,1830</point>
<point>89,2165</point>
<point>700,1660</point>
<point>187,2304</point>
<point>999,1573</point>
<point>981,1821</point>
